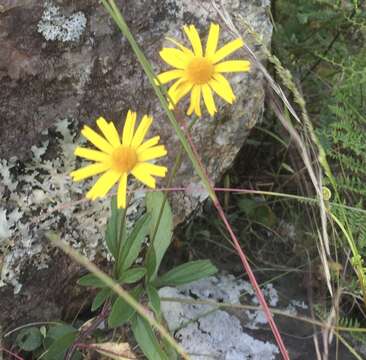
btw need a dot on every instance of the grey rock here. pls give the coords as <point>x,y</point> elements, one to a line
<point>62,65</point>
<point>207,332</point>
<point>233,332</point>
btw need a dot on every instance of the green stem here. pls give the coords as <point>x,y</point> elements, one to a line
<point>118,18</point>
<point>176,166</point>
<point>121,233</point>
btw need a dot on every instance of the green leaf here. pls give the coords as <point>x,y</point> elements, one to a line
<point>112,230</point>
<point>59,338</point>
<point>59,347</point>
<point>100,298</point>
<point>29,339</point>
<point>247,206</point>
<point>303,18</point>
<point>146,339</point>
<point>132,246</point>
<point>132,275</point>
<point>92,281</point>
<point>169,349</point>
<point>161,225</point>
<point>264,215</point>
<point>186,273</point>
<point>257,211</point>
<point>57,331</point>
<point>150,262</point>
<point>154,300</point>
<point>121,311</point>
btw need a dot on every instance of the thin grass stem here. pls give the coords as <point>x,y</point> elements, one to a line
<point>116,288</point>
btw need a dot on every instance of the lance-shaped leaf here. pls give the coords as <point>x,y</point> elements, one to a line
<point>122,311</point>
<point>113,228</point>
<point>186,273</point>
<point>161,226</point>
<point>146,339</point>
<point>132,275</point>
<point>131,247</point>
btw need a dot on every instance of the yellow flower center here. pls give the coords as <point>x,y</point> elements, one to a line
<point>124,159</point>
<point>200,70</point>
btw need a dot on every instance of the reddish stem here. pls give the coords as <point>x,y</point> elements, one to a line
<point>11,353</point>
<point>254,282</point>
<point>217,189</point>
<point>244,260</point>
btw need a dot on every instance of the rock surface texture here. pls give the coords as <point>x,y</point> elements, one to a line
<point>209,332</point>
<point>234,332</point>
<point>63,63</point>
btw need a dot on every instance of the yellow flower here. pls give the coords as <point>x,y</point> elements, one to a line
<point>200,72</point>
<point>117,157</point>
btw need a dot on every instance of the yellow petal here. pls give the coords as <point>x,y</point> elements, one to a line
<point>191,104</point>
<point>233,66</point>
<point>222,88</point>
<point>129,128</point>
<point>147,144</point>
<point>174,87</point>
<point>154,170</point>
<point>103,184</point>
<point>194,39</point>
<point>181,47</point>
<point>109,131</point>
<point>170,75</point>
<point>171,92</point>
<point>208,99</point>
<point>141,131</point>
<point>227,49</point>
<point>152,153</point>
<point>141,175</point>
<point>175,57</point>
<point>195,101</point>
<point>90,154</point>
<point>180,91</point>
<point>212,40</point>
<point>197,108</point>
<point>88,171</point>
<point>97,140</point>
<point>121,193</point>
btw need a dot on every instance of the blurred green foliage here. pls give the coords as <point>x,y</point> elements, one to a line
<point>322,42</point>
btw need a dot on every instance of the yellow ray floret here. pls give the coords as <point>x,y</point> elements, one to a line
<point>200,71</point>
<point>118,156</point>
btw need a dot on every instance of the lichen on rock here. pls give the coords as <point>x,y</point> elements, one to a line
<point>205,331</point>
<point>40,197</point>
<point>68,60</point>
<point>56,26</point>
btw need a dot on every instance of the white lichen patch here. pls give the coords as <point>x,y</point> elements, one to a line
<point>7,222</point>
<point>299,304</point>
<point>56,26</point>
<point>39,196</point>
<point>294,306</point>
<point>208,332</point>
<point>5,231</point>
<point>269,293</point>
<point>38,152</point>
